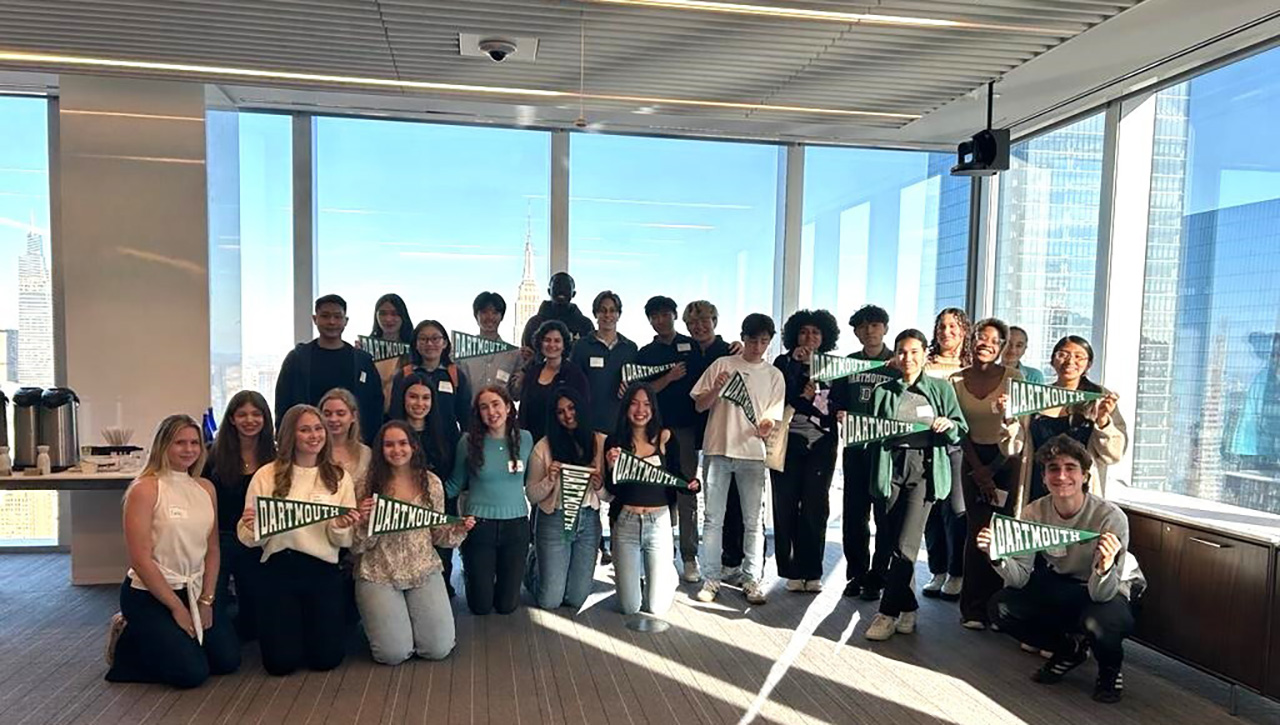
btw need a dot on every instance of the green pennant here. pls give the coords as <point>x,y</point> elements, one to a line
<point>382,349</point>
<point>1027,398</point>
<point>631,468</point>
<point>735,391</point>
<point>1011,537</point>
<point>391,515</point>
<point>860,429</point>
<point>466,346</point>
<point>277,515</point>
<point>825,368</point>
<point>574,483</point>
<point>631,372</point>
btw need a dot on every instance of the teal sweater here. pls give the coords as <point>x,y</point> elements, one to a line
<point>942,397</point>
<point>493,492</point>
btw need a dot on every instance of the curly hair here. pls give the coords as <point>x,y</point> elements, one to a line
<point>546,327</point>
<point>1064,445</point>
<point>821,319</point>
<point>477,430</point>
<point>966,335</point>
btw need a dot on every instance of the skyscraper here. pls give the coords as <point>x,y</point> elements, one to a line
<point>527,295</point>
<point>8,356</point>
<point>35,315</point>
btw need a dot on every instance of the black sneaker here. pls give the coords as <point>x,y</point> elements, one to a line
<point>852,588</point>
<point>1060,664</point>
<point>870,593</point>
<point>1110,685</point>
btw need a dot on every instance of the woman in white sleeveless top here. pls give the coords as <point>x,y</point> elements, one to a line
<point>168,630</point>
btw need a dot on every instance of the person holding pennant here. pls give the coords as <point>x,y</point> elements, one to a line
<point>489,309</point>
<point>734,447</point>
<point>910,473</point>
<point>432,358</point>
<point>800,489</point>
<point>399,582</point>
<point>490,468</point>
<point>992,461</point>
<point>563,484</point>
<point>1096,424</point>
<point>1067,598</point>
<point>392,332</point>
<point>168,630</point>
<point>864,573</point>
<point>535,386</point>
<point>642,546</point>
<point>288,514</point>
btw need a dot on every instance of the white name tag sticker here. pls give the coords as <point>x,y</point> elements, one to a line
<point>924,411</point>
<point>515,466</point>
<point>597,362</point>
<point>446,386</point>
<point>683,347</point>
<point>319,498</point>
<point>363,376</point>
<point>1057,552</point>
<point>503,376</point>
<point>177,512</point>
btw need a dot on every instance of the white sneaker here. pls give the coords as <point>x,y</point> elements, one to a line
<point>710,588</point>
<point>973,624</point>
<point>906,623</point>
<point>951,588</point>
<point>752,591</point>
<point>731,575</point>
<point>795,585</point>
<point>691,573</point>
<point>114,630</point>
<point>813,586</point>
<point>882,627</point>
<point>934,587</point>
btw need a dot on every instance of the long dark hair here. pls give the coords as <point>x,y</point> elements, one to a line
<point>577,446</point>
<point>446,357</point>
<point>621,437</point>
<point>432,436</point>
<point>966,335</point>
<point>224,455</point>
<point>477,430</point>
<point>405,334</point>
<point>380,472</point>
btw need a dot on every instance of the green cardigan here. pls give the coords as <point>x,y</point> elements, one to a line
<point>942,397</point>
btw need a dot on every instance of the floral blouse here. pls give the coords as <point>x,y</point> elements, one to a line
<point>405,559</point>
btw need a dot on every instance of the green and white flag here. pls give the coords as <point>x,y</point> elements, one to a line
<point>574,482</point>
<point>277,515</point>
<point>1010,537</point>
<point>825,368</point>
<point>1027,398</point>
<point>382,349</point>
<point>735,391</point>
<point>631,468</point>
<point>391,515</point>
<point>465,346</point>
<point>631,372</point>
<point>860,429</point>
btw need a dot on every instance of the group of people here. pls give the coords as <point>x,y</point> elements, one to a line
<point>486,439</point>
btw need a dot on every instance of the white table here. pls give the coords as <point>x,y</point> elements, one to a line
<point>98,554</point>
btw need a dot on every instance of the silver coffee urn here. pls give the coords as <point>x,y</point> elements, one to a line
<point>58,427</point>
<point>26,427</point>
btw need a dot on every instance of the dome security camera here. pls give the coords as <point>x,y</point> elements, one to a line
<point>497,49</point>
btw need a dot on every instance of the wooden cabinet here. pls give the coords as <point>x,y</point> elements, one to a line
<point>1272,686</point>
<point>1209,599</point>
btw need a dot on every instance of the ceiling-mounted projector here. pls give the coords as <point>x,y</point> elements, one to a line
<point>987,153</point>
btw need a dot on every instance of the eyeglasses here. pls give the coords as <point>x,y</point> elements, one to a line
<point>431,339</point>
<point>1064,356</point>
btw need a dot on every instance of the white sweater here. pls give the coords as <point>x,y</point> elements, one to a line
<point>321,540</point>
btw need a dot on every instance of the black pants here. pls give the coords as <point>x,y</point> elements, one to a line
<point>153,648</point>
<point>494,555</point>
<point>302,614</point>
<point>1051,607</point>
<point>945,532</point>
<point>446,553</point>
<point>244,564</point>
<point>860,565</point>
<point>733,548</point>
<point>981,581</point>
<point>904,513</point>
<point>801,508</point>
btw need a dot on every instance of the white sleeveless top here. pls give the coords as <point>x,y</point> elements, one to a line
<point>181,522</point>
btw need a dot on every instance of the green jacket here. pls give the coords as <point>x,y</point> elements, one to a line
<point>942,397</point>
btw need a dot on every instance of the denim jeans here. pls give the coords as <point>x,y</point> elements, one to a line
<point>565,567</point>
<point>403,622</point>
<point>642,549</point>
<point>750,477</point>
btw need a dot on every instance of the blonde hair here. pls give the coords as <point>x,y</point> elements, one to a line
<point>700,308</point>
<point>330,472</point>
<point>352,441</point>
<point>158,457</point>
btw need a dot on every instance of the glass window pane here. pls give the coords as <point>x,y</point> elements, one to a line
<point>26,298</point>
<point>434,213</point>
<point>686,219</point>
<point>889,228</point>
<point>1047,238</point>
<point>1208,406</point>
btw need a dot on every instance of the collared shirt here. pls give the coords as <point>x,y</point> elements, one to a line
<point>489,370</point>
<point>602,364</point>
<point>673,401</point>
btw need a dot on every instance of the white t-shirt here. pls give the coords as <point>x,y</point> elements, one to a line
<point>728,432</point>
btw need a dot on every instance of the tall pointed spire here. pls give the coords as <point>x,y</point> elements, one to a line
<point>527,292</point>
<point>528,246</point>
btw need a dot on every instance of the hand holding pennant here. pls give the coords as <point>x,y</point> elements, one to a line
<point>1010,537</point>
<point>735,391</point>
<point>382,349</point>
<point>630,468</point>
<point>1027,398</point>
<point>575,481</point>
<point>391,515</point>
<point>825,368</point>
<point>631,372</point>
<point>861,429</point>
<point>466,346</point>
<point>277,515</point>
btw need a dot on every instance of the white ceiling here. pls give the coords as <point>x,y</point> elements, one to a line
<point>629,51</point>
